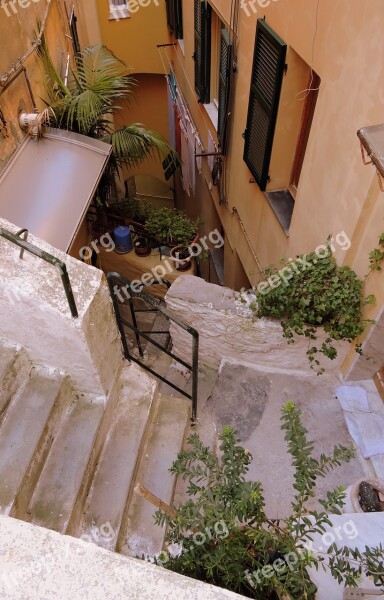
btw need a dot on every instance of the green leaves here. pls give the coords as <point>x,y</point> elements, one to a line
<point>319,293</point>
<point>88,102</point>
<point>248,551</point>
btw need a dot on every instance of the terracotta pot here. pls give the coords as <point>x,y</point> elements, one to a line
<point>352,504</point>
<point>181,264</point>
<point>142,250</point>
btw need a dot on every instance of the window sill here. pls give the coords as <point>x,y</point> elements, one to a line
<point>182,47</point>
<point>213,113</point>
<point>115,14</point>
<point>282,204</point>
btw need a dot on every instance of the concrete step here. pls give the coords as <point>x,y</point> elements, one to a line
<point>15,367</point>
<point>139,535</point>
<point>25,433</point>
<point>118,462</point>
<point>67,464</point>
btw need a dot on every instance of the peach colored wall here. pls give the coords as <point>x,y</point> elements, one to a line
<point>17,31</point>
<point>148,107</point>
<point>342,42</point>
<point>134,39</point>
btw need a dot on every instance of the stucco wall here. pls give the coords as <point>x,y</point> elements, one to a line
<point>18,29</point>
<point>227,330</point>
<point>35,313</point>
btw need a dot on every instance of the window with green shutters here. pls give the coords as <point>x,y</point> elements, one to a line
<point>224,88</point>
<point>202,54</point>
<point>267,75</point>
<point>175,17</point>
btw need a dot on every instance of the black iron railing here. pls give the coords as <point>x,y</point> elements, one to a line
<point>14,238</point>
<point>116,278</point>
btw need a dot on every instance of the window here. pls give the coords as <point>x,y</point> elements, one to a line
<point>175,17</point>
<point>202,54</point>
<point>225,65</point>
<point>118,9</point>
<point>267,75</point>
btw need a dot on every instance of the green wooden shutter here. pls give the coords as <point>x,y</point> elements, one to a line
<point>202,53</point>
<point>175,17</point>
<point>224,88</point>
<point>267,76</point>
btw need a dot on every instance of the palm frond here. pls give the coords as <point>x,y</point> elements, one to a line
<point>132,143</point>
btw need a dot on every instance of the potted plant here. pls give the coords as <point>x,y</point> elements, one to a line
<point>172,227</point>
<point>181,257</point>
<point>141,245</point>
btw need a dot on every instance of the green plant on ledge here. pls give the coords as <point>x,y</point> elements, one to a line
<point>322,294</point>
<point>243,553</point>
<point>172,226</point>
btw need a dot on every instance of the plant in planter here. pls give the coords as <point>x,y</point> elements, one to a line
<point>141,244</point>
<point>320,294</point>
<point>172,227</point>
<point>181,257</point>
<point>249,553</point>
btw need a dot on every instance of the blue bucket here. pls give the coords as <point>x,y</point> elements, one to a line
<point>123,239</point>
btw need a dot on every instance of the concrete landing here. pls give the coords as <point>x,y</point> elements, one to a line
<point>250,400</point>
<point>377,405</point>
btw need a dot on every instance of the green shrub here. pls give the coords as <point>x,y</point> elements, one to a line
<point>247,542</point>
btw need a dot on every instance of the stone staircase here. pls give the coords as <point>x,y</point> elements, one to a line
<point>69,461</point>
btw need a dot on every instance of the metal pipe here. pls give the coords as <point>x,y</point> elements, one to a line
<point>236,212</point>
<point>12,79</point>
<point>25,231</point>
<point>49,258</point>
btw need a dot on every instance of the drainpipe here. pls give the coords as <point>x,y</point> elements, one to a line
<point>236,212</point>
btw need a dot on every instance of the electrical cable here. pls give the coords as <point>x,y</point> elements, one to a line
<point>4,78</point>
<point>310,89</point>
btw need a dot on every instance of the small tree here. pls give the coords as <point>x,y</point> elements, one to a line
<point>249,553</point>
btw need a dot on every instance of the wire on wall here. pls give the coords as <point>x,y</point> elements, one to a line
<point>19,63</point>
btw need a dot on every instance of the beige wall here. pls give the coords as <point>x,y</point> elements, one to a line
<point>336,192</point>
<point>134,39</point>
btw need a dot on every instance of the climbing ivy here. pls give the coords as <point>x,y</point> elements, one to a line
<point>317,293</point>
<point>376,257</point>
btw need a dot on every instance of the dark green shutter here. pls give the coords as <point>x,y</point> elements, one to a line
<point>175,17</point>
<point>267,75</point>
<point>224,88</point>
<point>202,53</point>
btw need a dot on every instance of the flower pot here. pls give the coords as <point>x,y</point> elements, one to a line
<point>352,504</point>
<point>142,249</point>
<point>181,257</point>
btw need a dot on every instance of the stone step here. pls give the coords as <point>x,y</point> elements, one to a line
<point>139,535</point>
<point>117,465</point>
<point>15,367</point>
<point>67,464</point>
<point>25,432</point>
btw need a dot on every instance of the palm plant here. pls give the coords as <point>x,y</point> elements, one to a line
<point>87,103</point>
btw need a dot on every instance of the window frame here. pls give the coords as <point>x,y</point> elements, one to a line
<point>202,50</point>
<point>174,10</point>
<point>262,110</point>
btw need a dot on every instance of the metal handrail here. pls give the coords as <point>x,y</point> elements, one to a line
<point>49,258</point>
<point>113,277</point>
